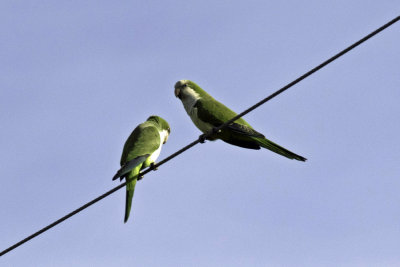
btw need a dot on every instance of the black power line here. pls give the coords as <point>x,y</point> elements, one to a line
<point>205,136</point>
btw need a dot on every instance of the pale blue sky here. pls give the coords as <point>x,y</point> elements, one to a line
<point>76,78</point>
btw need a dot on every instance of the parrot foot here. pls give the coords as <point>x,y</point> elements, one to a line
<point>140,177</point>
<point>206,136</point>
<point>202,138</point>
<point>153,167</point>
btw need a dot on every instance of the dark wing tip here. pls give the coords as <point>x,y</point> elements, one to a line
<point>300,158</point>
<point>116,176</point>
<point>245,130</point>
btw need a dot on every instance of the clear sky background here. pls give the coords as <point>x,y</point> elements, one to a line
<point>76,77</point>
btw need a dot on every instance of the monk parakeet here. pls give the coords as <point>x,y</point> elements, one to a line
<point>207,113</point>
<point>140,151</point>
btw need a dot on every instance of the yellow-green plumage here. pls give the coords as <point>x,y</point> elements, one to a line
<point>141,149</point>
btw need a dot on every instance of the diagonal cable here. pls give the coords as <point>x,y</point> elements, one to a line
<point>206,135</point>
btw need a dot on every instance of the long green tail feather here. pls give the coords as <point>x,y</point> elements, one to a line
<point>130,190</point>
<point>278,149</point>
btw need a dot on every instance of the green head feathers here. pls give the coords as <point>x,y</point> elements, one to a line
<point>160,121</point>
<point>183,86</point>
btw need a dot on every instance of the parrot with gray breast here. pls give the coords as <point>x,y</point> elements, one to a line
<point>207,113</point>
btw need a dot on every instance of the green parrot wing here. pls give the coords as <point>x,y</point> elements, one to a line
<point>145,139</point>
<point>130,165</point>
<point>216,113</point>
<point>244,129</point>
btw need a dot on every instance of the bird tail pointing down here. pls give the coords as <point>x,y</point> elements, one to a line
<point>130,190</point>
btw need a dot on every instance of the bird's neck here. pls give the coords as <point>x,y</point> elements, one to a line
<point>189,100</point>
<point>163,137</point>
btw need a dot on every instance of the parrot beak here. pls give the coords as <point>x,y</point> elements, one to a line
<point>177,92</point>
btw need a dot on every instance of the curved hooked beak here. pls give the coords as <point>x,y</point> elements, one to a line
<point>177,92</point>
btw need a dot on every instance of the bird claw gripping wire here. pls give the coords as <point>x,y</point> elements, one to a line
<point>202,138</point>
<point>153,167</point>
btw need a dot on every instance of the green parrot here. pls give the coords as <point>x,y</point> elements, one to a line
<point>140,151</point>
<point>207,113</point>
